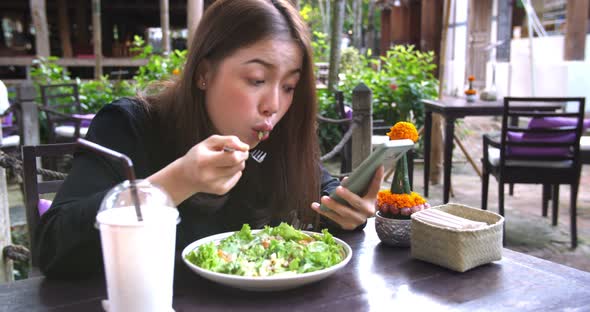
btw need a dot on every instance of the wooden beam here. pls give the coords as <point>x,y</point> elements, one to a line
<point>97,38</point>
<point>575,36</point>
<point>431,28</point>
<point>75,62</point>
<point>64,28</point>
<point>504,30</point>
<point>165,25</point>
<point>38,12</point>
<point>194,12</point>
<point>82,33</point>
<point>385,31</point>
<point>399,23</point>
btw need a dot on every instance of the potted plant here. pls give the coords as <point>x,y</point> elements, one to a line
<point>397,204</point>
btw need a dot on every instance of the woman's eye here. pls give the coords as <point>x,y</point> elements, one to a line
<point>256,82</point>
<point>289,89</point>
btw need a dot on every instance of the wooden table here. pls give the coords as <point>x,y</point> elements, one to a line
<point>453,108</point>
<point>378,278</point>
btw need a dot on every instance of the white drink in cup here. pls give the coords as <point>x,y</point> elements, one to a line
<point>138,255</point>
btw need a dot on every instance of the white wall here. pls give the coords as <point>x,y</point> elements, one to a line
<point>553,76</point>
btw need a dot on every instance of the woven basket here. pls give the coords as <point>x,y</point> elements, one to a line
<point>458,250</point>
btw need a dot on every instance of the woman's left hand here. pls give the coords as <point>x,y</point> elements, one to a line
<point>357,210</point>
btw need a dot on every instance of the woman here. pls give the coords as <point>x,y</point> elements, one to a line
<point>248,83</point>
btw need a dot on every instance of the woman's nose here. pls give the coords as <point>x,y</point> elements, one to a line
<point>270,103</point>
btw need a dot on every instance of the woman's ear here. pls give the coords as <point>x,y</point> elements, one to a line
<point>203,74</point>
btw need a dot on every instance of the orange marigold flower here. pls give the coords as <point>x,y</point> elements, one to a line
<point>385,197</point>
<point>176,72</point>
<point>470,92</point>
<point>471,78</point>
<point>403,130</point>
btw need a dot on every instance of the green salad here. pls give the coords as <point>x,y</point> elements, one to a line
<point>273,251</point>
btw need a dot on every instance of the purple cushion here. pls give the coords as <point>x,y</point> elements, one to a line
<point>556,122</point>
<point>86,119</point>
<point>348,112</point>
<point>7,120</point>
<point>43,205</point>
<point>539,137</point>
<point>7,126</point>
<point>545,122</point>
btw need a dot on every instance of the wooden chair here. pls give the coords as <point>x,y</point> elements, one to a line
<point>537,154</point>
<point>34,187</point>
<point>63,111</point>
<point>11,131</point>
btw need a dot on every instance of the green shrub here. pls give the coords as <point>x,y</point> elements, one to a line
<point>398,81</point>
<point>94,94</point>
<point>158,67</point>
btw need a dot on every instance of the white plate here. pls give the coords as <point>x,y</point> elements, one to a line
<point>269,283</point>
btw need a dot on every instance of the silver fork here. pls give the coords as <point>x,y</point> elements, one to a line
<point>256,154</point>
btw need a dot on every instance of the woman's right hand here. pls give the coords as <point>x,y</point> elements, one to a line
<point>210,169</point>
<point>205,168</point>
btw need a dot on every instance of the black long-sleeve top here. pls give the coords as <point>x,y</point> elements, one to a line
<point>68,244</point>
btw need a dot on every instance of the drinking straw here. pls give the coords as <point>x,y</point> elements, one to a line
<point>127,164</point>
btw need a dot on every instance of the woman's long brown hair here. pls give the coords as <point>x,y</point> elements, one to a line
<point>291,171</point>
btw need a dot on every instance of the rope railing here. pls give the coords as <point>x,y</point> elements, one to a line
<point>331,120</point>
<point>11,162</point>
<point>338,147</point>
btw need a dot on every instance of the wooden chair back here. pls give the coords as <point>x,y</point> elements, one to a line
<point>540,143</point>
<point>33,187</point>
<point>59,102</point>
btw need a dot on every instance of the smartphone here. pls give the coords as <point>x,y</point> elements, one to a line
<point>359,179</point>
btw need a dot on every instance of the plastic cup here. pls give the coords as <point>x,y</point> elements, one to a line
<point>138,255</point>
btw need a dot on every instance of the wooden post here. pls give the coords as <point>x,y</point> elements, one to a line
<point>39,15</point>
<point>361,136</point>
<point>64,28</point>
<point>165,25</point>
<point>6,267</point>
<point>504,30</point>
<point>97,38</point>
<point>26,95</point>
<point>194,13</point>
<point>575,36</point>
<point>436,135</point>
